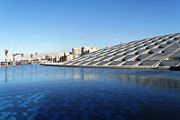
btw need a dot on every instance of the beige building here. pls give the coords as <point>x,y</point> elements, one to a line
<point>62,57</point>
<point>76,52</point>
<point>86,50</point>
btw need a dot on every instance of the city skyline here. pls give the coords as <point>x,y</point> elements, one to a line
<point>56,26</point>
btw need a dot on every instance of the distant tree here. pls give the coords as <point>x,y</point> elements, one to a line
<point>31,55</point>
<point>6,55</point>
<point>6,52</point>
<point>46,57</point>
<point>36,56</point>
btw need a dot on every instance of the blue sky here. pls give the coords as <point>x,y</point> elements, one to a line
<point>58,25</point>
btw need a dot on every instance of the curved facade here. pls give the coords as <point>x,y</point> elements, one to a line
<point>156,52</point>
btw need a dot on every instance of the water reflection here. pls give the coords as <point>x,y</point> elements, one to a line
<point>41,92</point>
<point>6,74</point>
<point>149,78</point>
<point>151,81</point>
<point>162,79</point>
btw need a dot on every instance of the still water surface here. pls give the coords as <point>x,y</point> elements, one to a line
<point>34,92</point>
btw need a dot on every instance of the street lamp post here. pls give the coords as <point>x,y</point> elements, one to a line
<point>22,55</point>
<point>14,61</point>
<point>36,57</point>
<point>31,56</point>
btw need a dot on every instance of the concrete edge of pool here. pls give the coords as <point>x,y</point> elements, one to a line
<point>113,66</point>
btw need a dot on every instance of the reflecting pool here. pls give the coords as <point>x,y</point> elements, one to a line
<point>34,92</point>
